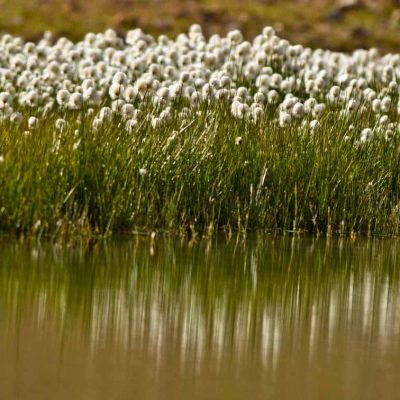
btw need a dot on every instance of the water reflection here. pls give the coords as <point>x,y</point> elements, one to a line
<point>268,316</point>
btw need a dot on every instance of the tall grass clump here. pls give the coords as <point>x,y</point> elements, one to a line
<point>192,135</point>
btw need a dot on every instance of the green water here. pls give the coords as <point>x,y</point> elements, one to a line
<point>287,318</point>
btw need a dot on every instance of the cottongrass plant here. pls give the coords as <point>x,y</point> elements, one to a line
<point>143,134</point>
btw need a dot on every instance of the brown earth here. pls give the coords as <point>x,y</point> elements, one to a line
<point>340,25</point>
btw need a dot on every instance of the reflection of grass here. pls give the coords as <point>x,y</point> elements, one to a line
<point>240,289</point>
<point>299,23</point>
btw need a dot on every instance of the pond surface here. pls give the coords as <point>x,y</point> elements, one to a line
<point>286,318</point>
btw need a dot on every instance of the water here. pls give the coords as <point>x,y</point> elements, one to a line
<point>283,318</point>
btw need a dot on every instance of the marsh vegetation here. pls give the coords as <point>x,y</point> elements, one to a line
<point>192,135</point>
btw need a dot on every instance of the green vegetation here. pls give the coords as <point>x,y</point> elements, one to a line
<point>191,175</point>
<point>194,135</point>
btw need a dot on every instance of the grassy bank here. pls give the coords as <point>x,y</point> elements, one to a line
<point>196,135</point>
<point>194,174</point>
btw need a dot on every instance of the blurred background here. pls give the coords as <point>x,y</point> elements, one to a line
<point>336,24</point>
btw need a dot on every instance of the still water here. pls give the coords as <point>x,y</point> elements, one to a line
<point>286,318</point>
